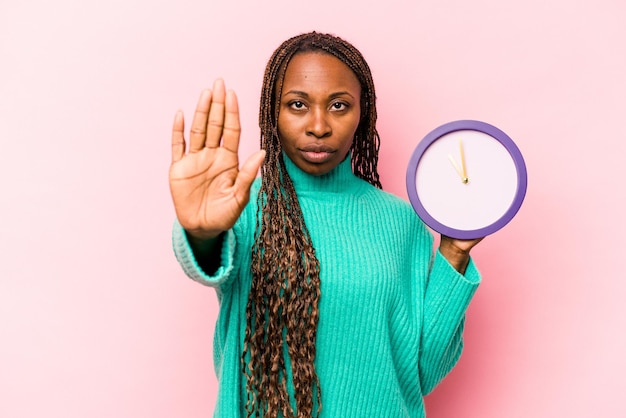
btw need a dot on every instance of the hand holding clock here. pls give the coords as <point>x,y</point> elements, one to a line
<point>457,251</point>
<point>465,212</point>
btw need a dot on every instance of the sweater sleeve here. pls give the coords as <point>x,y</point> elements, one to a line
<point>447,296</point>
<point>189,263</point>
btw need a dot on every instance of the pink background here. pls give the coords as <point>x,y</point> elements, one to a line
<point>96,318</point>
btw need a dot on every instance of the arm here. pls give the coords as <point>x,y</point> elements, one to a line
<point>207,252</point>
<point>211,269</point>
<point>208,189</point>
<point>452,282</point>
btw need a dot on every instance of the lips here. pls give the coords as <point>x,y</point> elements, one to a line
<point>316,148</point>
<point>316,153</point>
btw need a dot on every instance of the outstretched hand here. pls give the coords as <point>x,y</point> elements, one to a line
<point>457,251</point>
<point>208,188</point>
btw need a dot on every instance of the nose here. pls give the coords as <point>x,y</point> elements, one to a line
<point>318,125</point>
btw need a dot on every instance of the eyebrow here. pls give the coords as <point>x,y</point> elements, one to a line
<point>306,95</point>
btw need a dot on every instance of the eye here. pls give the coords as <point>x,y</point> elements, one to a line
<point>339,106</point>
<point>297,105</point>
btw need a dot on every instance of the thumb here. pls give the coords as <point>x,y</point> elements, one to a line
<point>247,174</point>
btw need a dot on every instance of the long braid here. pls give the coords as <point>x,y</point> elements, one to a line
<point>283,305</point>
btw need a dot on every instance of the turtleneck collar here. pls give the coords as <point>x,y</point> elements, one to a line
<point>337,180</point>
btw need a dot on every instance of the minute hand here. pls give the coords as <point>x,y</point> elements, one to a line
<point>464,174</point>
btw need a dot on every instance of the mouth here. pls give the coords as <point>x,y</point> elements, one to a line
<point>316,154</point>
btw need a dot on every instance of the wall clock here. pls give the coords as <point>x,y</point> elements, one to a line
<point>466,179</point>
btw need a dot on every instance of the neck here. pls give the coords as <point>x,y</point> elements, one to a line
<point>336,181</point>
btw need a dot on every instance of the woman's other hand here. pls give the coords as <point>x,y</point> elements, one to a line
<point>208,188</point>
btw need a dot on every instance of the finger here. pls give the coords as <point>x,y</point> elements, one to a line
<point>216,115</point>
<point>247,174</point>
<point>197,136</point>
<point>232,127</point>
<point>178,137</point>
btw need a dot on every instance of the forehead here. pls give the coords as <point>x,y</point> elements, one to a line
<point>317,71</point>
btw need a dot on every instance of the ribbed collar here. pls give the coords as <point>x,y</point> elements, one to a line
<point>340,179</point>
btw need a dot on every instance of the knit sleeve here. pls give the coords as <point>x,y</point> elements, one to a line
<point>189,263</point>
<point>447,296</point>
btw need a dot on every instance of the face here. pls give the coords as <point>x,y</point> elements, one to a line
<point>320,110</point>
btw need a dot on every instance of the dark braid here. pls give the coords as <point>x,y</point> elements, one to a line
<point>285,290</point>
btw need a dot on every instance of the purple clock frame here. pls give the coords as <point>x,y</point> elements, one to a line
<point>467,125</point>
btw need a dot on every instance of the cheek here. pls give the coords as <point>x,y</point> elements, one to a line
<point>354,127</point>
<point>357,119</point>
<point>285,125</point>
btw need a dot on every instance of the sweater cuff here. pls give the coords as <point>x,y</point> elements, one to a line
<point>189,263</point>
<point>471,276</point>
<point>458,288</point>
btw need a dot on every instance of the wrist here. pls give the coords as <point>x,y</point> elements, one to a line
<point>198,236</point>
<point>457,257</point>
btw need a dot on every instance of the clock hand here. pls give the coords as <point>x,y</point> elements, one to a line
<point>456,167</point>
<point>464,175</point>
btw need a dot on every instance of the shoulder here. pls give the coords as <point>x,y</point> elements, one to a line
<point>388,200</point>
<point>394,209</point>
<point>393,223</point>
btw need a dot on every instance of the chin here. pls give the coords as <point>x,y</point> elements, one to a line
<point>316,169</point>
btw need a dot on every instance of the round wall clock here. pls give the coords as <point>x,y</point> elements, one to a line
<point>466,179</point>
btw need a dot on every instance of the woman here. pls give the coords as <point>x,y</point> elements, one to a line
<point>331,301</point>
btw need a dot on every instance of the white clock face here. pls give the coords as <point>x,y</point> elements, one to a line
<point>466,180</point>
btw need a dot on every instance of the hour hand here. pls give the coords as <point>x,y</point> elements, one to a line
<point>456,166</point>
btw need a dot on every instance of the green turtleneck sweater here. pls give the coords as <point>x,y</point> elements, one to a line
<point>391,311</point>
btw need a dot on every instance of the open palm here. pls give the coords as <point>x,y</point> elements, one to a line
<point>208,188</point>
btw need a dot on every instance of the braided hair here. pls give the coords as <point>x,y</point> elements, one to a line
<point>282,311</point>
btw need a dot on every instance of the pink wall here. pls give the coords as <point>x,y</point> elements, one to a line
<point>96,318</point>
